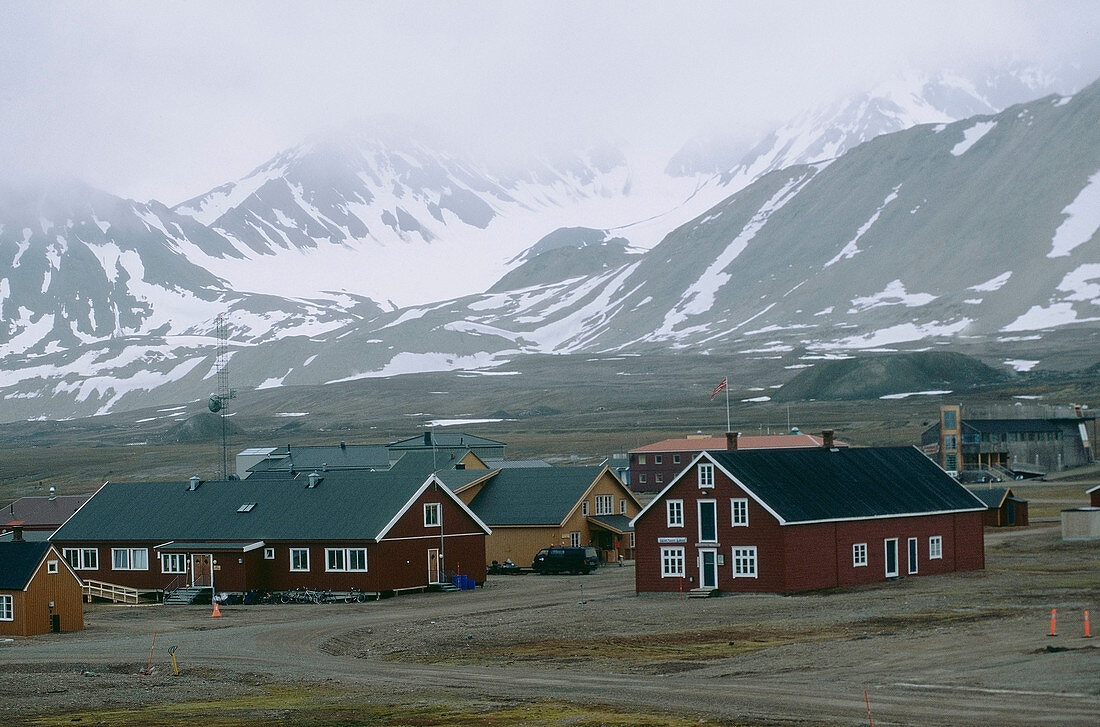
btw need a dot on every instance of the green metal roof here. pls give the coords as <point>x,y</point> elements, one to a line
<point>18,561</point>
<point>533,496</point>
<point>351,505</point>
<point>810,485</point>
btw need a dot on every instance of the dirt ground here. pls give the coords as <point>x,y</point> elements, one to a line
<point>963,649</point>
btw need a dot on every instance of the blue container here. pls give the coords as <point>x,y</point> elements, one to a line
<point>468,584</point>
<point>459,581</point>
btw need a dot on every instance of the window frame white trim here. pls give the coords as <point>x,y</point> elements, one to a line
<point>7,607</point>
<point>130,552</point>
<point>699,517</point>
<point>608,501</point>
<point>859,555</point>
<point>912,551</point>
<point>345,560</point>
<point>743,502</point>
<point>705,475</point>
<point>575,539</point>
<point>298,569</point>
<point>179,557</point>
<point>269,554</point>
<point>52,567</point>
<point>669,520</point>
<point>82,563</point>
<point>671,555</point>
<point>437,510</point>
<point>935,553</point>
<point>749,554</point>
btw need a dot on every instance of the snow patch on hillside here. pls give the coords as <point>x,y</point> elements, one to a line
<point>993,283</point>
<point>1082,220</point>
<point>852,248</point>
<point>972,135</point>
<point>700,295</point>
<point>893,294</point>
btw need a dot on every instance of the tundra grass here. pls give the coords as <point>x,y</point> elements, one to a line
<point>294,706</point>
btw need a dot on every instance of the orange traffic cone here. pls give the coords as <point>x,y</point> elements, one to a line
<point>1053,622</point>
<point>217,611</point>
<point>1088,632</point>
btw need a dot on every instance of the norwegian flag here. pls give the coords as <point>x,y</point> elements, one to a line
<point>718,389</point>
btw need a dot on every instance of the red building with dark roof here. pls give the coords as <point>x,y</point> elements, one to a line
<point>655,465</point>
<point>780,521</point>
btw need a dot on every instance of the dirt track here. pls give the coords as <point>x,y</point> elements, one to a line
<point>948,650</point>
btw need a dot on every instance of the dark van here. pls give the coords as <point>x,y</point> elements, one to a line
<point>566,560</point>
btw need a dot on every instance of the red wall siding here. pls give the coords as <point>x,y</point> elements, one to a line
<point>799,557</point>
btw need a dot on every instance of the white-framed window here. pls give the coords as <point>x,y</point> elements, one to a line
<point>605,504</point>
<point>622,506</point>
<point>706,475</point>
<point>7,613</point>
<point>672,562</point>
<point>659,478</point>
<point>744,561</point>
<point>675,459</point>
<point>935,547</point>
<point>641,478</point>
<point>345,559</point>
<point>82,558</point>
<point>51,566</point>
<point>859,554</point>
<point>129,559</point>
<point>173,562</point>
<point>708,521</point>
<point>299,559</point>
<point>632,541</point>
<point>269,554</point>
<point>739,511</point>
<point>431,515</point>
<point>658,459</point>
<point>641,459</point>
<point>584,508</point>
<point>675,513</point>
<point>912,555</point>
<point>575,539</point>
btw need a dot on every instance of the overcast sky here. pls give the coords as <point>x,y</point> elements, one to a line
<point>168,99</point>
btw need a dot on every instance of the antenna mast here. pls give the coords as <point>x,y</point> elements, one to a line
<point>219,402</point>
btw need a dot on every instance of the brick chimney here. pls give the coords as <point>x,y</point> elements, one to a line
<point>731,441</point>
<point>827,438</point>
<point>16,530</point>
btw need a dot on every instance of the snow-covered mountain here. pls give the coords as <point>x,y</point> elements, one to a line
<point>984,228</point>
<point>896,104</point>
<point>380,213</point>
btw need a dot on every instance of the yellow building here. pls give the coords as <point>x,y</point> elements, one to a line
<point>531,508</point>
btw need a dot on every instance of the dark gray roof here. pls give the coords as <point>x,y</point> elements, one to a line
<point>994,497</point>
<point>616,523</point>
<point>334,457</point>
<point>446,440</point>
<point>505,464</point>
<point>533,496</point>
<point>1011,425</point>
<point>353,505</point>
<point>18,561</point>
<point>809,485</point>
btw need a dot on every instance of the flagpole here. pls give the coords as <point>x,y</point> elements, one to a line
<point>727,379</point>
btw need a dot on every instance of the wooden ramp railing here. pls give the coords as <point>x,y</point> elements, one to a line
<point>110,592</point>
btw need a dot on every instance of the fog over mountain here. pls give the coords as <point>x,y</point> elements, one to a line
<point>983,228</point>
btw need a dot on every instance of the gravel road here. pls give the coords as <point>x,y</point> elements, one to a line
<point>946,650</point>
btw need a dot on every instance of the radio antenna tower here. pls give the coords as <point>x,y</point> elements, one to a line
<point>219,402</point>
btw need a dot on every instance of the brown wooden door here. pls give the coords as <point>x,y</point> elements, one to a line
<point>201,570</point>
<point>435,563</point>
